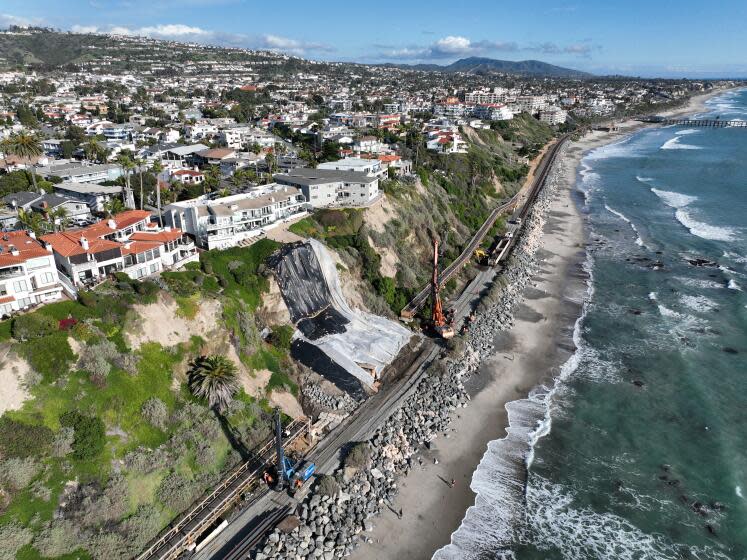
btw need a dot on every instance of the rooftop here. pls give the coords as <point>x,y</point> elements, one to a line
<point>305,176</point>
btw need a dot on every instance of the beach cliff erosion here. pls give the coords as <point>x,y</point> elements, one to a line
<point>441,452</point>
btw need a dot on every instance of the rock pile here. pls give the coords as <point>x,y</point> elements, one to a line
<point>314,394</point>
<point>331,527</point>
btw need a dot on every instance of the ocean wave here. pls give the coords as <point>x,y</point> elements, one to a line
<point>674,144</point>
<point>489,526</point>
<point>674,199</point>
<point>704,230</point>
<point>699,283</point>
<point>555,523</point>
<point>698,303</point>
<point>679,202</point>
<point>623,217</point>
<point>622,148</point>
<point>733,285</point>
<point>687,131</point>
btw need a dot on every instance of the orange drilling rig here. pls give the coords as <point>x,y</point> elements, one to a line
<point>441,325</point>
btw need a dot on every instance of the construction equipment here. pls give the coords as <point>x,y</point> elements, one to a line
<point>481,255</point>
<point>289,474</point>
<point>441,325</point>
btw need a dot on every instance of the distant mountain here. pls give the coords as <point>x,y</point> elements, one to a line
<point>475,65</point>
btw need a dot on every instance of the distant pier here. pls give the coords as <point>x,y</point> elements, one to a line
<point>714,123</point>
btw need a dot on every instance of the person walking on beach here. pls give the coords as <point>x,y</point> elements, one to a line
<point>453,483</point>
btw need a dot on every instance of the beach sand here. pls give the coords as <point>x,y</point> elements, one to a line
<point>529,354</point>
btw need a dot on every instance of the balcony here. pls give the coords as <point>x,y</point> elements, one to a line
<point>15,272</point>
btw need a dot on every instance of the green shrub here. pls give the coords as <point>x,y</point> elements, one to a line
<point>177,492</point>
<point>13,537</point>
<point>281,336</point>
<point>33,325</point>
<point>58,538</point>
<point>90,434</point>
<point>142,526</point>
<point>18,473</point>
<point>63,442</point>
<point>18,439</point>
<point>51,355</point>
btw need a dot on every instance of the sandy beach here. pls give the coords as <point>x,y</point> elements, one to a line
<point>530,354</point>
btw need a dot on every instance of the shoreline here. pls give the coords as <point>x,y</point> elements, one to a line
<point>528,355</point>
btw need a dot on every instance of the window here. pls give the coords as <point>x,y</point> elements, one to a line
<point>6,309</point>
<point>19,286</point>
<point>47,278</point>
<point>25,302</point>
<point>154,268</point>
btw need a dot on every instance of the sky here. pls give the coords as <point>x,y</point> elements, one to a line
<point>683,38</point>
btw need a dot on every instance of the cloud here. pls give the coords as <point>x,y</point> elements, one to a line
<point>448,47</point>
<point>276,42</point>
<point>454,46</point>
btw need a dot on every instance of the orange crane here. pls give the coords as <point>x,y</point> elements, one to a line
<point>442,327</point>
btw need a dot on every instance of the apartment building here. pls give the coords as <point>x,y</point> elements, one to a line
<point>371,167</point>
<point>94,196</point>
<point>128,242</point>
<point>492,112</point>
<point>553,115</point>
<point>77,172</point>
<point>28,275</point>
<point>225,222</point>
<point>332,187</point>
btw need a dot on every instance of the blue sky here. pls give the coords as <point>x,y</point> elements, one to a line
<point>650,38</point>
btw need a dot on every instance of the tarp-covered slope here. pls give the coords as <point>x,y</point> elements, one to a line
<point>355,342</point>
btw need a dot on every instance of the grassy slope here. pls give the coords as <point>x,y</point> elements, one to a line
<point>234,273</point>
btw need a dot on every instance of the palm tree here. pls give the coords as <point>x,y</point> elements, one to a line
<point>93,150</point>
<point>156,168</point>
<point>212,178</point>
<point>58,216</point>
<point>31,220</point>
<point>126,164</point>
<point>114,206</point>
<point>25,145</point>
<point>5,147</point>
<point>214,378</point>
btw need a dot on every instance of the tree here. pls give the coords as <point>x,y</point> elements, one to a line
<point>156,168</point>
<point>114,206</point>
<point>214,378</point>
<point>93,150</point>
<point>58,217</point>
<point>127,165</point>
<point>27,146</point>
<point>31,220</point>
<point>90,434</point>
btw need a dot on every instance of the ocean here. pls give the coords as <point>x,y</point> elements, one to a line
<point>639,450</point>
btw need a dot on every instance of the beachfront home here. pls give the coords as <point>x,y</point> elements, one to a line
<point>128,242</point>
<point>332,187</point>
<point>28,275</point>
<point>225,222</point>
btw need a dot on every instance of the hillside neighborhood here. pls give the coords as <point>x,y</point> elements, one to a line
<point>217,263</point>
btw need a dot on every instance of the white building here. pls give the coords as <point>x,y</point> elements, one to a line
<point>81,173</point>
<point>128,242</point>
<point>553,115</point>
<point>492,112</point>
<point>371,167</point>
<point>332,187</point>
<point>226,222</point>
<point>95,196</point>
<point>28,275</point>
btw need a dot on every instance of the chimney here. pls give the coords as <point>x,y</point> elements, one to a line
<point>47,246</point>
<point>167,228</point>
<point>13,250</point>
<point>84,243</point>
<point>32,234</point>
<point>111,223</point>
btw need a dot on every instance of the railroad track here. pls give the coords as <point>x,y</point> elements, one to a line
<point>193,523</point>
<point>540,175</point>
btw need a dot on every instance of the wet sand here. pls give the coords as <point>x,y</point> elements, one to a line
<point>530,354</point>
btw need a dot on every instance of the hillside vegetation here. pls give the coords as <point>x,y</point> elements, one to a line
<point>111,445</point>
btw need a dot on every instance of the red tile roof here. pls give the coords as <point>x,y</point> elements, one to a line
<point>139,247</point>
<point>27,246</point>
<point>160,236</point>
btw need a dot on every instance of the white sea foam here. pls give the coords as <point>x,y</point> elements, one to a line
<point>555,522</point>
<point>687,131</point>
<point>646,180</point>
<point>738,491</point>
<point>675,144</point>
<point>623,217</point>
<point>704,230</point>
<point>699,283</point>
<point>499,480</point>
<point>698,303</point>
<point>680,201</point>
<point>666,312</point>
<point>652,296</point>
<point>674,199</point>
<point>733,285</point>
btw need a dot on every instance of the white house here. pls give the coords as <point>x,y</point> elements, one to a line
<point>332,187</point>
<point>371,167</point>
<point>28,275</point>
<point>225,222</point>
